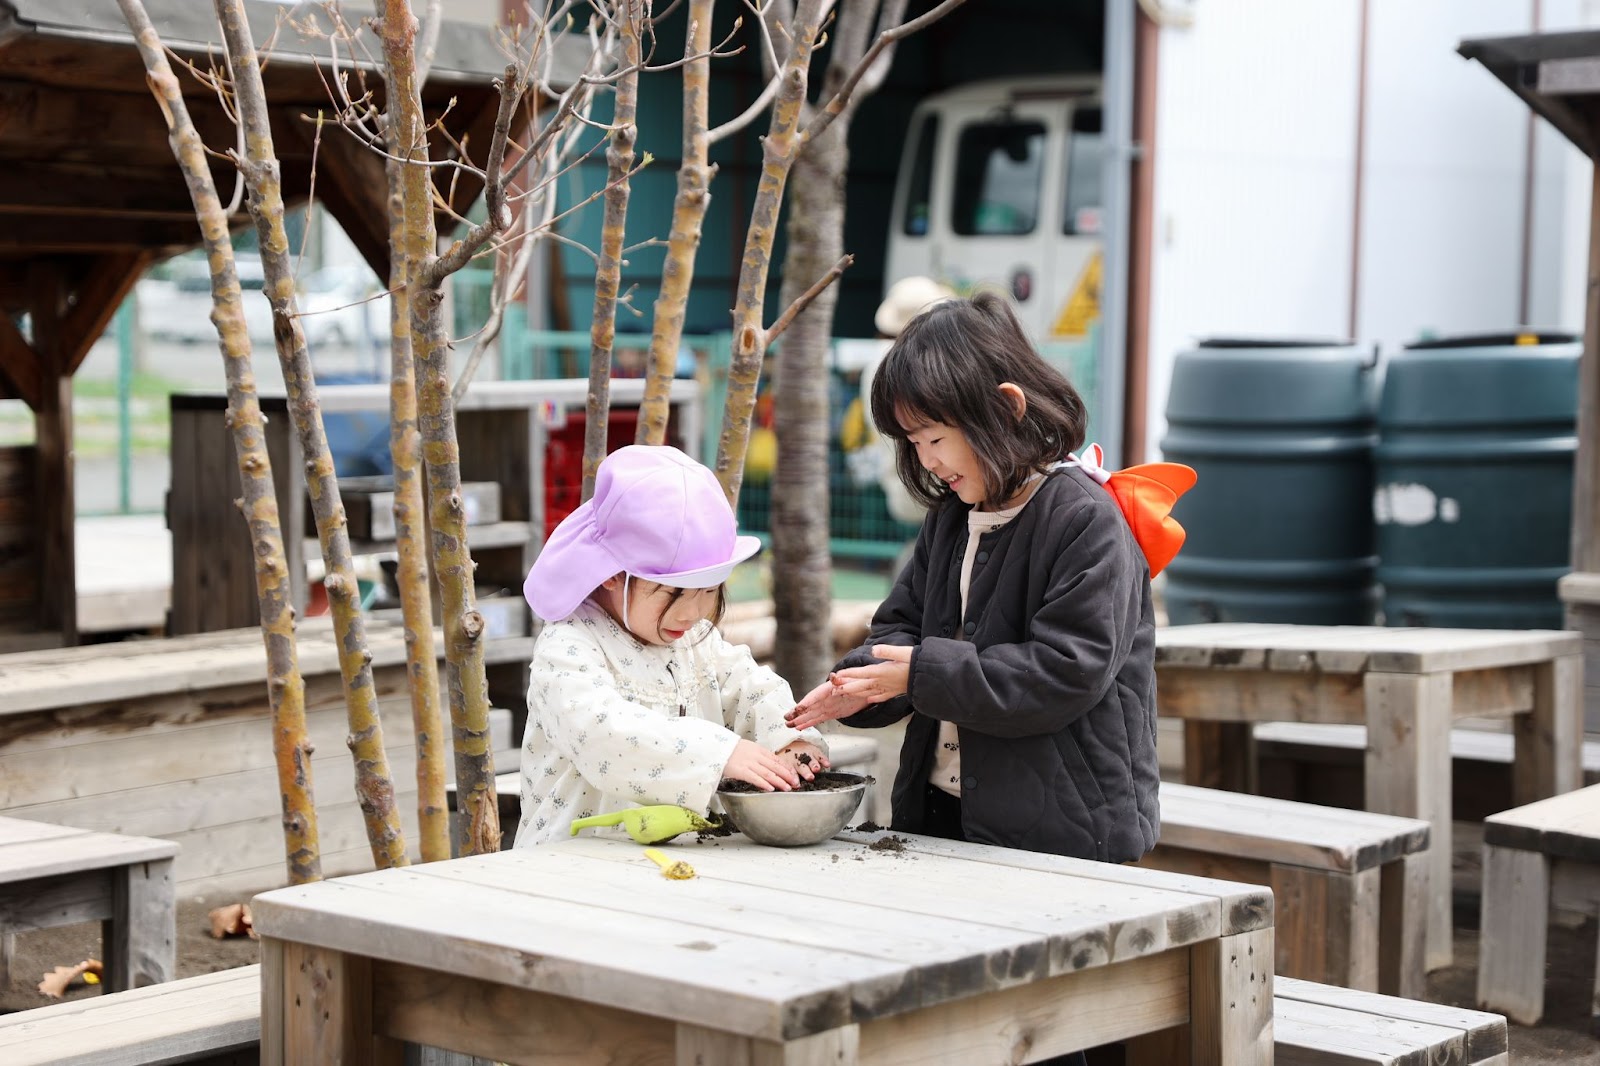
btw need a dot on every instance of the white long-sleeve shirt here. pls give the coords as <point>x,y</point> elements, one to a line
<point>614,722</point>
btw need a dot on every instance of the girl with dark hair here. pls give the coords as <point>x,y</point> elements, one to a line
<point>1020,638</point>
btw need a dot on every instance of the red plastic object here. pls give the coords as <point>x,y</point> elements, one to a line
<point>563,461</point>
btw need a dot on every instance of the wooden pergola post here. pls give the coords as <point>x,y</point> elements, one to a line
<point>1558,76</point>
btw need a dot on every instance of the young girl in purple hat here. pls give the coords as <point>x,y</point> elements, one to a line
<point>634,697</point>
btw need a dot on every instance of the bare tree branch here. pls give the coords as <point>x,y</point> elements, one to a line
<point>804,301</point>
<point>841,99</point>
<point>428,39</point>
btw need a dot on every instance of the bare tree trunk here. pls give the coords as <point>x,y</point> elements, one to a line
<point>374,786</point>
<point>688,216</point>
<point>802,566</point>
<point>750,337</point>
<point>416,604</point>
<point>608,275</point>
<point>452,561</point>
<point>285,686</point>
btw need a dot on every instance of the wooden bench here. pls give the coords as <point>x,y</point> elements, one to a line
<point>1322,1025</point>
<point>1349,885</point>
<point>1536,857</point>
<point>213,1019</point>
<point>1323,763</point>
<point>53,875</point>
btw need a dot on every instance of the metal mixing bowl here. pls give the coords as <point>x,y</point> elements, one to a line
<point>793,819</point>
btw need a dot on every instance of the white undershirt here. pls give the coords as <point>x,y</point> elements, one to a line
<point>946,773</point>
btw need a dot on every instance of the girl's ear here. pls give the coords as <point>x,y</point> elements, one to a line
<point>1015,397</point>
<point>613,583</point>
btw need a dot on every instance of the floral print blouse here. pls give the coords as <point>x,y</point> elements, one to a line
<point>615,723</point>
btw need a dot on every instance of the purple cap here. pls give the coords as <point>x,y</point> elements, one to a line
<point>656,514</point>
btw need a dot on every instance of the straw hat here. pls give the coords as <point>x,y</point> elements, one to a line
<point>906,299</point>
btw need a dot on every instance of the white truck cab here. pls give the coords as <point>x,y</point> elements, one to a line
<point>999,188</point>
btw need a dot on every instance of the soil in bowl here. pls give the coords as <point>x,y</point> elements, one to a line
<point>827,781</point>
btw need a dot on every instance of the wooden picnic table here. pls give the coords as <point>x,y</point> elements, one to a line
<point>53,875</point>
<point>1405,686</point>
<point>915,950</point>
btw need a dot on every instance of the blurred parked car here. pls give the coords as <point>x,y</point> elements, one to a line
<point>336,304</point>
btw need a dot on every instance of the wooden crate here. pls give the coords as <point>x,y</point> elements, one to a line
<point>369,506</point>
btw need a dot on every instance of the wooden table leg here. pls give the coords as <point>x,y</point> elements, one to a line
<point>326,1009</point>
<point>1511,944</point>
<point>1219,755</point>
<point>1230,1000</point>
<point>1403,927</point>
<point>1327,924</point>
<point>1408,773</point>
<point>141,936</point>
<point>273,1018</point>
<point>1549,741</point>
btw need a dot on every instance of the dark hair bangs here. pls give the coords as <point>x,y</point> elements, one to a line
<point>947,367</point>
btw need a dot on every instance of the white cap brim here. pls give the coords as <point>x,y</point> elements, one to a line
<point>708,576</point>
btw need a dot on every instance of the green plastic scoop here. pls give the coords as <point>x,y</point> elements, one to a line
<point>650,825</point>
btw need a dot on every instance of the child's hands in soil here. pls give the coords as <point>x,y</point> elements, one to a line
<point>848,691</point>
<point>808,758</point>
<point>767,770</point>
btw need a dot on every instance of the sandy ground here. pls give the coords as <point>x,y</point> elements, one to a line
<point>1564,1037</point>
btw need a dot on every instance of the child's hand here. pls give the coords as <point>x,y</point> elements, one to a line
<point>755,765</point>
<point>808,758</point>
<point>874,683</point>
<point>822,704</point>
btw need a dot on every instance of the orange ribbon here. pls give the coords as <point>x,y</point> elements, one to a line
<point>1145,495</point>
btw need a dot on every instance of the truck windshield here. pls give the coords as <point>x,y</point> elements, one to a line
<point>998,169</point>
<point>1085,151</point>
<point>919,188</point>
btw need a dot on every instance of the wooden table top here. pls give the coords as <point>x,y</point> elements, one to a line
<point>1356,649</point>
<point>30,850</point>
<point>765,942</point>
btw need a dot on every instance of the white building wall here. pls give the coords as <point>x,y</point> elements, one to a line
<point>1254,176</point>
<point>1255,170</point>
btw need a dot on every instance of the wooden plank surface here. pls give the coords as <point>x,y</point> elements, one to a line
<point>1485,1032</point>
<point>1565,826</point>
<point>1283,831</point>
<point>1354,649</point>
<point>1242,906</point>
<point>126,670</point>
<point>49,855</point>
<point>820,937</point>
<point>161,1023</point>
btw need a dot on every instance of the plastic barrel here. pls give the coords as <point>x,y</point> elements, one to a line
<point>1281,434</point>
<point>1473,504</point>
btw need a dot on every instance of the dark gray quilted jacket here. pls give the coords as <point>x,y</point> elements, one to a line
<point>1050,677</point>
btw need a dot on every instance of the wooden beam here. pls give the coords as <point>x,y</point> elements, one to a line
<point>19,364</point>
<point>79,125</point>
<point>97,298</point>
<point>34,235</point>
<point>1586,472</point>
<point>56,503</point>
<point>35,187</point>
